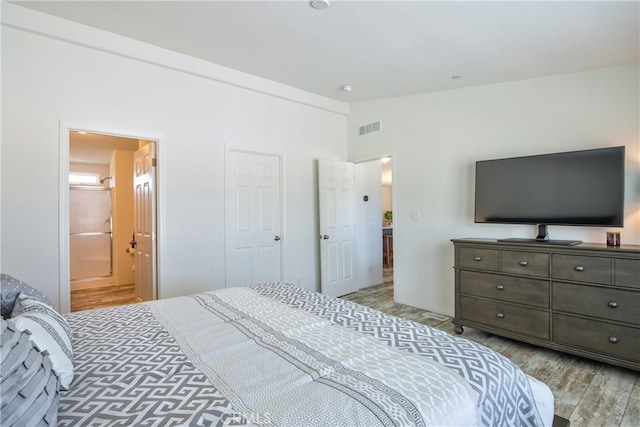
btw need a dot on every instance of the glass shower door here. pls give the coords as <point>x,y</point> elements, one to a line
<point>90,232</point>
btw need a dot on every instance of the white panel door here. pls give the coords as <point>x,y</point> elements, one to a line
<point>252,218</point>
<point>145,222</point>
<point>338,261</point>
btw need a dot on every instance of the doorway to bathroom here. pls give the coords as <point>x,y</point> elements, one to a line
<point>111,220</point>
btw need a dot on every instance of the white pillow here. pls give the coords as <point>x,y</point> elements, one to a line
<point>49,331</point>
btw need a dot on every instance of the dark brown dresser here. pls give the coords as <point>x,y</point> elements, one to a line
<point>582,299</point>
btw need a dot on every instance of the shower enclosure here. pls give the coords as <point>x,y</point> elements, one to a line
<point>90,234</point>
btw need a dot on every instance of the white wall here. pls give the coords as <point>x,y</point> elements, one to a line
<point>368,223</point>
<point>387,200</point>
<point>122,208</point>
<point>51,73</point>
<point>436,139</point>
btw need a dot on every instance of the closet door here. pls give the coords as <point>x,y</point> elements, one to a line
<point>252,218</point>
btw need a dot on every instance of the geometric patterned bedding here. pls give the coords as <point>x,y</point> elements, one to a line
<point>503,388</point>
<point>276,354</point>
<point>129,371</point>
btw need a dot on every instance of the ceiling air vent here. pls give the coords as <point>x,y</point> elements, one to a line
<point>369,128</point>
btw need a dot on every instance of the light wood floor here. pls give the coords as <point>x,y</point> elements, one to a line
<point>588,393</point>
<point>109,296</point>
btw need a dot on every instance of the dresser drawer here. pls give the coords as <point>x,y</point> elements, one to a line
<point>627,272</point>
<point>517,319</point>
<point>526,263</point>
<point>506,288</point>
<point>481,259</point>
<point>621,341</point>
<point>582,268</point>
<point>612,304</point>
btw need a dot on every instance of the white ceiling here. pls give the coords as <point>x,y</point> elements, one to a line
<point>383,48</point>
<point>97,148</point>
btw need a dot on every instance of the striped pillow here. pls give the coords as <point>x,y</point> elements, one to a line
<point>49,331</point>
<point>10,288</point>
<point>28,385</point>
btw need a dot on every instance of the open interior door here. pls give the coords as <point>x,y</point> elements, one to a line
<point>338,260</point>
<point>145,222</point>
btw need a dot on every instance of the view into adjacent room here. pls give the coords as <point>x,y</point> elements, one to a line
<point>387,220</point>
<point>102,220</point>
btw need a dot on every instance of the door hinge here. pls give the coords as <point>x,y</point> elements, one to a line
<point>154,162</point>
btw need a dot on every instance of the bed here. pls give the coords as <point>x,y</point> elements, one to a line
<point>277,354</point>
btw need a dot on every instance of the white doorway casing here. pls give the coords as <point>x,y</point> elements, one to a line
<point>63,207</point>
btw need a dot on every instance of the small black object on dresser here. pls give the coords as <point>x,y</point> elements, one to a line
<point>582,299</point>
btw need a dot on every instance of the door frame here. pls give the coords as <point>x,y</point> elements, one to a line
<point>232,147</point>
<point>379,156</point>
<point>64,275</point>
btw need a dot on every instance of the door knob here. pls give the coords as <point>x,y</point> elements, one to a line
<point>276,238</point>
<point>324,237</point>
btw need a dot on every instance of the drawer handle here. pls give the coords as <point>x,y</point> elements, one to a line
<point>579,268</point>
<point>500,315</point>
<point>523,263</point>
<point>500,287</point>
<point>613,340</point>
<point>477,258</point>
<point>613,304</point>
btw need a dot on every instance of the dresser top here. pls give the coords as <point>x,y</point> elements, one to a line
<point>541,245</point>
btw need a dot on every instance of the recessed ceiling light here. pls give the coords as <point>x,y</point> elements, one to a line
<point>347,88</point>
<point>319,4</point>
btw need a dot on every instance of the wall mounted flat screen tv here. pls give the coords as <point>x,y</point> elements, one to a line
<point>573,188</point>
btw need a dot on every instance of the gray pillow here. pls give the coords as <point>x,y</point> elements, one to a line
<point>49,331</point>
<point>10,287</point>
<point>28,384</point>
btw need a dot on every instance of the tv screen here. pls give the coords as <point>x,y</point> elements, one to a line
<point>573,188</point>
